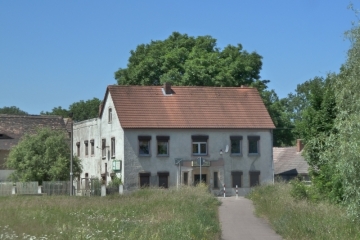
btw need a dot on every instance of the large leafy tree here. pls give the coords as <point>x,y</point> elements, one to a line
<point>343,146</point>
<point>12,110</point>
<point>189,61</point>
<point>43,156</point>
<point>81,110</point>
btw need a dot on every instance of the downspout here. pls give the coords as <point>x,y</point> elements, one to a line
<point>272,155</point>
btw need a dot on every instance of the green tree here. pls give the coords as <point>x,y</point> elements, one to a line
<point>59,111</point>
<point>12,110</point>
<point>189,61</point>
<point>343,146</point>
<point>81,110</point>
<point>44,156</point>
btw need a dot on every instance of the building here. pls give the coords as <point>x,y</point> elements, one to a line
<point>14,127</point>
<point>289,162</point>
<point>157,136</point>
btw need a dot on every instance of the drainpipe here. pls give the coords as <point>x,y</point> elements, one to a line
<point>272,155</point>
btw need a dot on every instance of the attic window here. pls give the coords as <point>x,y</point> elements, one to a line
<point>110,115</point>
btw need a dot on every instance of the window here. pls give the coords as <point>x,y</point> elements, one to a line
<point>253,144</point>
<point>110,115</point>
<point>78,149</point>
<point>162,145</point>
<point>112,147</point>
<point>186,178</point>
<point>216,180</point>
<point>254,178</point>
<point>144,179</point>
<point>86,147</point>
<point>236,178</point>
<point>103,148</point>
<point>144,145</point>
<point>236,144</point>
<point>163,179</point>
<point>92,146</point>
<point>199,145</point>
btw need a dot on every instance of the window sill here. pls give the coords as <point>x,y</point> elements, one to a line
<point>253,154</point>
<point>103,158</point>
<point>163,155</point>
<point>144,155</point>
<point>199,155</point>
<point>236,155</point>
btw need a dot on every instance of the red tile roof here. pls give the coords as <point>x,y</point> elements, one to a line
<point>189,107</point>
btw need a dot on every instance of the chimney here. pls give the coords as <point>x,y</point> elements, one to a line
<point>299,145</point>
<point>167,88</point>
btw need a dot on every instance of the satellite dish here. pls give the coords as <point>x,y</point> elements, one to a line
<point>227,148</point>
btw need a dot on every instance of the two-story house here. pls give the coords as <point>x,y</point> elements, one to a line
<point>159,135</point>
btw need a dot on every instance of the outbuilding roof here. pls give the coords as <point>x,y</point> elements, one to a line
<point>288,160</point>
<point>13,127</point>
<point>189,107</point>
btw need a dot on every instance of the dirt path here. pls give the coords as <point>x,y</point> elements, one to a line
<point>239,222</point>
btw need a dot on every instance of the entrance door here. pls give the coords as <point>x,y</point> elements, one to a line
<point>197,178</point>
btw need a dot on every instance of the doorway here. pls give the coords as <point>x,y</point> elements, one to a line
<point>197,178</point>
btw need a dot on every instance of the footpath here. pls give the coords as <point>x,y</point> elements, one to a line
<point>238,221</point>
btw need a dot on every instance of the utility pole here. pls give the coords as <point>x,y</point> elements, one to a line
<point>72,154</point>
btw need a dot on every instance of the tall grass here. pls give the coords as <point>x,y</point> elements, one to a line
<point>188,213</point>
<point>302,219</point>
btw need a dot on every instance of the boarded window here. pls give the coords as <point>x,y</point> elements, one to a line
<point>254,178</point>
<point>112,147</point>
<point>236,178</point>
<point>144,179</point>
<point>103,147</point>
<point>163,179</point>
<point>86,147</point>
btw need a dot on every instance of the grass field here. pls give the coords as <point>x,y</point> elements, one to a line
<point>188,213</point>
<point>301,219</point>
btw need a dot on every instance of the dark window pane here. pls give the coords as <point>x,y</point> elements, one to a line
<point>195,148</point>
<point>253,146</point>
<point>203,148</point>
<point>144,148</point>
<point>216,182</point>
<point>185,180</point>
<point>162,148</point>
<point>235,146</point>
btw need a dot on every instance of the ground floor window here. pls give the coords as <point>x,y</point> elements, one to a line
<point>236,178</point>
<point>144,179</point>
<point>254,178</point>
<point>216,180</point>
<point>163,179</point>
<point>186,178</point>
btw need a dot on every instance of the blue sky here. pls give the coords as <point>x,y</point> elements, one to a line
<point>55,53</point>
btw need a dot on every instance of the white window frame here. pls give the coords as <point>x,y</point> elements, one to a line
<point>110,115</point>
<point>199,153</point>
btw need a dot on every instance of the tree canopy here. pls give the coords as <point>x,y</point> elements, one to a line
<point>43,156</point>
<point>183,60</point>
<point>12,110</point>
<point>81,110</point>
<point>188,61</point>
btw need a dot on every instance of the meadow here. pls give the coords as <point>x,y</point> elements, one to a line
<point>187,213</point>
<point>302,219</point>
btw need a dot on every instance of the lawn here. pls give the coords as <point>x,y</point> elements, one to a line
<point>188,213</point>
